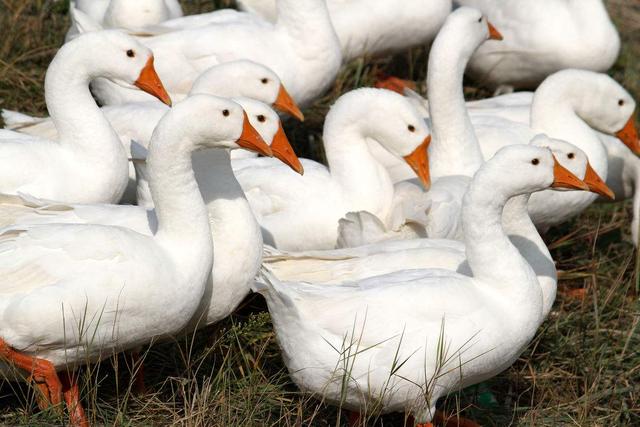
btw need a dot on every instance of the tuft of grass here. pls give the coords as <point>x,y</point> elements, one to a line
<point>582,368</point>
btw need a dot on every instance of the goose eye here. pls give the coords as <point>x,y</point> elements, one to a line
<point>621,102</point>
<point>225,113</point>
<point>265,81</point>
<point>535,162</point>
<point>411,128</point>
<point>480,20</point>
<point>131,53</point>
<point>571,155</point>
<point>261,118</point>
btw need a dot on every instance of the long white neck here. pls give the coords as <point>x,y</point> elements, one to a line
<point>80,123</point>
<point>365,182</point>
<point>494,261</point>
<point>309,32</point>
<point>555,112</point>
<point>525,237</point>
<point>454,148</point>
<point>182,216</point>
<point>223,197</point>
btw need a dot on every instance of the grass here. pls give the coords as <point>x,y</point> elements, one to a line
<point>582,369</point>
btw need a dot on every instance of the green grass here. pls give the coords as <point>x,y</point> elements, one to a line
<point>582,369</point>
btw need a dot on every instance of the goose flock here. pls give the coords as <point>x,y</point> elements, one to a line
<point>162,189</point>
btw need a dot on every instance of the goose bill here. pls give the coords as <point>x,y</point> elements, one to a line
<point>494,34</point>
<point>149,82</point>
<point>285,103</point>
<point>250,139</point>
<point>563,178</point>
<point>629,135</point>
<point>283,151</point>
<point>419,162</point>
<point>596,184</point>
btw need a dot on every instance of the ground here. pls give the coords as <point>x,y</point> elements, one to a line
<point>582,369</point>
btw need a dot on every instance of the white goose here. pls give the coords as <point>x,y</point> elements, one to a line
<point>357,263</point>
<point>105,289</point>
<point>365,343</point>
<point>92,15</point>
<point>302,213</point>
<point>302,48</point>
<point>543,37</point>
<point>87,163</point>
<point>454,152</point>
<point>135,121</point>
<point>234,229</point>
<point>367,27</point>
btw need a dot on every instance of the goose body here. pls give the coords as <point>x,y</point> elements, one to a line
<point>105,289</point>
<point>367,27</point>
<point>341,342</point>
<point>301,48</point>
<point>543,37</point>
<point>302,213</point>
<point>87,162</point>
<point>454,152</point>
<point>237,242</point>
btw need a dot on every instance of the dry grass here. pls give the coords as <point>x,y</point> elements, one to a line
<point>582,369</point>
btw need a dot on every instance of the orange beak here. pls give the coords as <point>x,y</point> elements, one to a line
<point>563,178</point>
<point>285,103</point>
<point>629,135</point>
<point>283,151</point>
<point>419,162</point>
<point>494,34</point>
<point>149,82</point>
<point>596,184</point>
<point>251,139</point>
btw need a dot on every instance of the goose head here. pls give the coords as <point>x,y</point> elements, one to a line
<point>524,169</point>
<point>247,79</point>
<point>267,123</point>
<point>575,161</point>
<point>603,103</point>
<point>467,28</point>
<point>135,14</point>
<point>390,120</point>
<point>213,122</point>
<point>123,60</point>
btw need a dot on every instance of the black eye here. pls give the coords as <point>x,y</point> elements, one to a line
<point>571,155</point>
<point>265,81</point>
<point>131,53</point>
<point>261,118</point>
<point>225,113</point>
<point>621,102</point>
<point>480,20</point>
<point>535,162</point>
<point>411,128</point>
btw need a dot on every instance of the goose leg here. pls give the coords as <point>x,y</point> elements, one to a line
<point>72,398</point>
<point>43,374</point>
